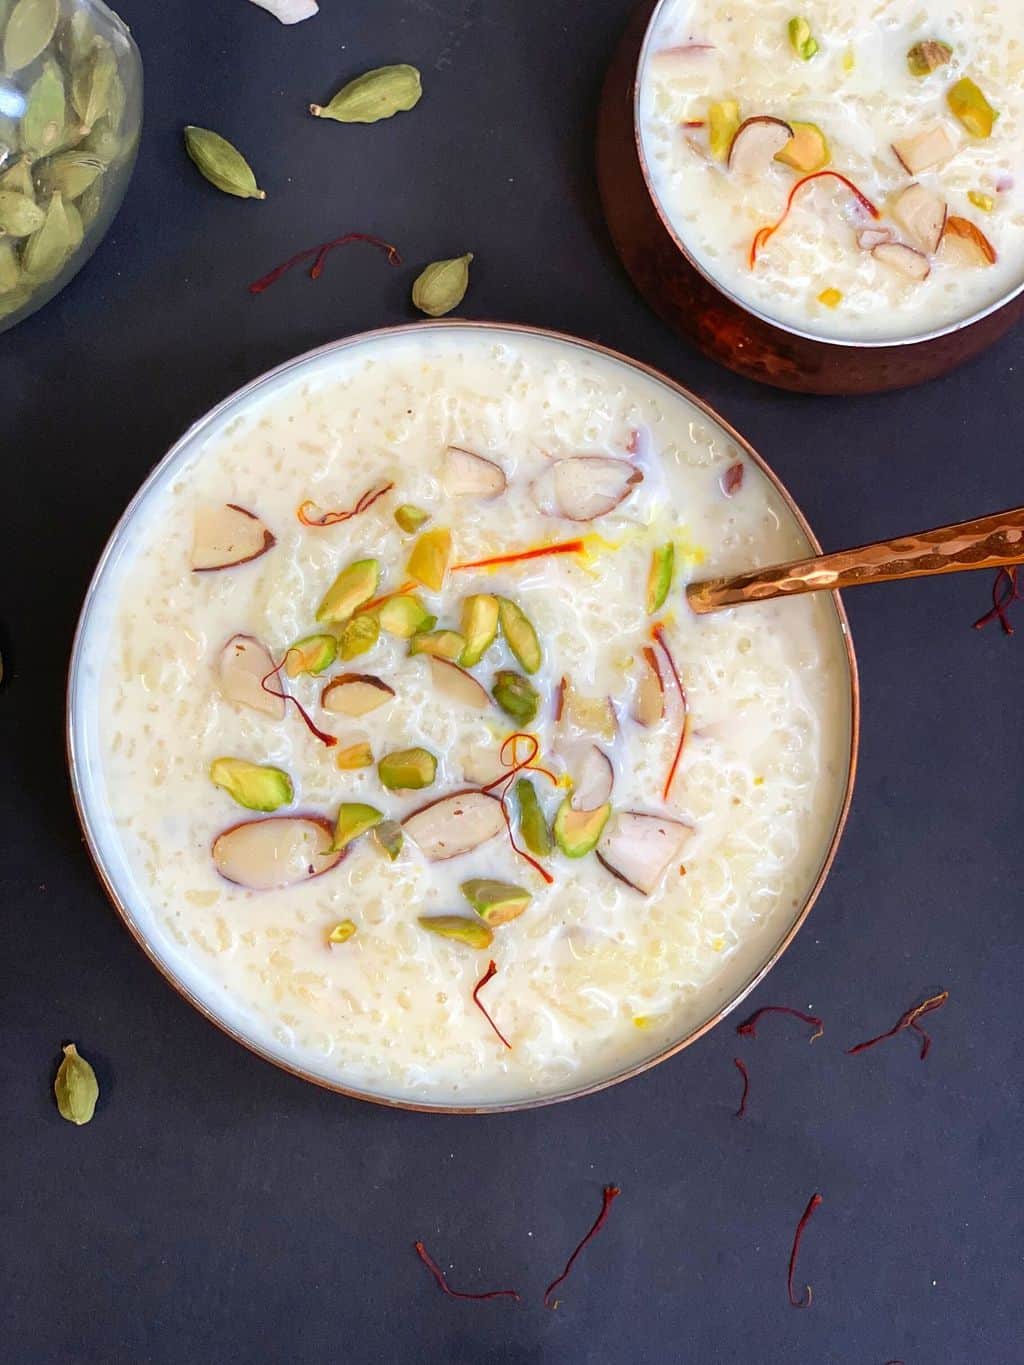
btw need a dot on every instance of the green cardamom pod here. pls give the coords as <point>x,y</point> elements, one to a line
<point>221,163</point>
<point>117,100</point>
<point>442,286</point>
<point>29,29</point>
<point>76,228</point>
<point>47,250</point>
<point>42,124</point>
<point>91,82</point>
<point>18,177</point>
<point>76,1087</point>
<point>71,173</point>
<point>76,38</point>
<point>17,298</point>
<point>10,270</point>
<point>90,204</point>
<point>375,95</point>
<point>103,142</point>
<point>19,216</point>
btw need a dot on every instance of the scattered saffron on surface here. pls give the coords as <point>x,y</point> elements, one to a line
<point>741,1068</point>
<point>314,518</point>
<point>563,547</point>
<point>658,635</point>
<point>763,235</point>
<point>748,1029</point>
<point>537,867</point>
<point>732,479</point>
<point>907,1021</point>
<point>445,1287</point>
<point>491,971</point>
<point>329,740</point>
<point>609,1194</point>
<point>321,253</point>
<point>1005,591</point>
<point>513,765</point>
<point>808,1212</point>
<point>375,602</point>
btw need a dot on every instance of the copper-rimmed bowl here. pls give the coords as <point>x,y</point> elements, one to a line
<point>85,750</point>
<point>696,305</point>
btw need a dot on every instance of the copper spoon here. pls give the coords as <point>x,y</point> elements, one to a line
<point>994,542</point>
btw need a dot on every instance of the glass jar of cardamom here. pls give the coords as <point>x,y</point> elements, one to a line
<point>70,116</point>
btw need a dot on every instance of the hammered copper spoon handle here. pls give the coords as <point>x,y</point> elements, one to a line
<point>994,542</point>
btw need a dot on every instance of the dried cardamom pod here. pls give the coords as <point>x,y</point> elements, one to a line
<point>42,124</point>
<point>47,250</point>
<point>10,270</point>
<point>29,29</point>
<point>90,204</point>
<point>221,163</point>
<point>76,228</point>
<point>91,82</point>
<point>76,38</point>
<point>375,95</point>
<point>18,177</point>
<point>71,173</point>
<point>19,215</point>
<point>103,142</point>
<point>442,286</point>
<point>76,1087</point>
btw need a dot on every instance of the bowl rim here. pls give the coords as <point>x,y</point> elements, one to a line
<point>845,343</point>
<point>89,823</point>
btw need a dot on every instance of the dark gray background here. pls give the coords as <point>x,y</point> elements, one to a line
<point>218,1210</point>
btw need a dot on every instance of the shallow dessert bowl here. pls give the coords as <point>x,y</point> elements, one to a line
<point>82,718</point>
<point>699,307</point>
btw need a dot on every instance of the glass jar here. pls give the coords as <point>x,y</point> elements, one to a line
<point>70,117</point>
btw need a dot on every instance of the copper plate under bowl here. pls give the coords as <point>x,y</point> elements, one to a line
<point>693,304</point>
<point>91,820</point>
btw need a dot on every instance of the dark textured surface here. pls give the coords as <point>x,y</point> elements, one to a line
<point>218,1210</point>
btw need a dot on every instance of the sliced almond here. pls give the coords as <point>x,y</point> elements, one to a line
<point>869,238</point>
<point>244,662</point>
<point>457,685</point>
<point>649,697</point>
<point>467,474</point>
<point>925,151</point>
<point>584,487</point>
<point>282,851</point>
<point>455,824</point>
<point>594,716</point>
<point>757,143</point>
<point>226,535</point>
<point>964,243</point>
<point>921,213</point>
<point>908,261</point>
<point>637,848</point>
<point>593,778</point>
<point>355,694</point>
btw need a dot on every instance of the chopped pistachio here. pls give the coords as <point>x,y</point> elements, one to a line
<point>312,654</point>
<point>970,106</point>
<point>924,58</point>
<point>723,122</point>
<point>354,756</point>
<point>659,576</point>
<point>801,39</point>
<point>443,644</point>
<point>519,634</point>
<point>404,615</point>
<point>516,695</point>
<point>390,836</point>
<point>831,298</point>
<point>428,562</point>
<point>354,818</point>
<point>578,831</point>
<point>532,824</point>
<point>253,786</point>
<point>495,902</point>
<point>807,150</point>
<point>407,769</point>
<point>342,932</point>
<point>411,518</point>
<point>360,634</point>
<point>982,201</point>
<point>352,587</point>
<point>479,627</point>
<point>472,932</point>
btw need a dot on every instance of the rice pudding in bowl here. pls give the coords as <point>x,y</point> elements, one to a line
<point>376,684</point>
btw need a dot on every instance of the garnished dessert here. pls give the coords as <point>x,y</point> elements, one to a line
<point>848,170</point>
<point>405,751</point>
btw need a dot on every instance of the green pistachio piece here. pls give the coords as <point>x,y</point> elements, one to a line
<point>659,576</point>
<point>352,587</point>
<point>355,756</point>
<point>10,270</point>
<point>76,1087</point>
<point>532,824</point>
<point>924,58</point>
<point>442,286</point>
<point>969,104</point>
<point>411,518</point>
<point>17,178</point>
<point>479,626</point>
<point>221,163</point>
<point>442,644</point>
<point>472,932</point>
<point>516,695</point>
<point>404,615</point>
<point>407,769</point>
<point>375,95</point>
<point>253,786</point>
<point>519,634</point>
<point>354,819</point>
<point>90,83</point>
<point>47,249</point>
<point>390,836</point>
<point>71,173</point>
<point>723,124</point>
<point>359,635</point>
<point>428,562</point>
<point>578,831</point>
<point>42,124</point>
<point>342,931</point>
<point>495,902</point>
<point>19,215</point>
<point>311,654</point>
<point>801,39</point>
<point>29,29</point>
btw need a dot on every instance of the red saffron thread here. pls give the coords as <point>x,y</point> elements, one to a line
<point>333,518</point>
<point>764,234</point>
<point>376,602</point>
<point>321,253</point>
<point>805,1302</point>
<point>748,1029</point>
<point>1005,591</point>
<point>515,847</point>
<point>516,765</point>
<point>564,547</point>
<point>907,1021</point>
<point>445,1287</point>
<point>741,1068</point>
<point>329,740</point>
<point>491,971</point>
<point>609,1194</point>
<point>658,635</point>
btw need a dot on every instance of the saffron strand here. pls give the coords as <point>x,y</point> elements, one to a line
<point>321,252</point>
<point>740,1066</point>
<point>445,1287</point>
<point>748,1029</point>
<point>491,972</point>
<point>808,1213</point>
<point>609,1195</point>
<point>328,740</point>
<point>658,635</point>
<point>908,1020</point>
